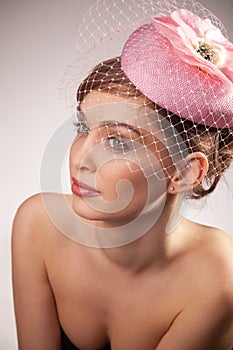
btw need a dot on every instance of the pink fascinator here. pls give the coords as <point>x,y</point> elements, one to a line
<point>183,63</point>
<point>175,52</point>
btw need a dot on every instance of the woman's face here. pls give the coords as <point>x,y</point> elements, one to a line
<point>115,159</point>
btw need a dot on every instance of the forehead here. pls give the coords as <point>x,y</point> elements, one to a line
<point>99,107</point>
<point>95,98</point>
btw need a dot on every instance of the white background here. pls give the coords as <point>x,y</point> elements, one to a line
<point>37,44</point>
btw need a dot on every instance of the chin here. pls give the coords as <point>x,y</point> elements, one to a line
<point>96,217</point>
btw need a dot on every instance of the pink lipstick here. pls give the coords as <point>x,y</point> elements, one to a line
<point>82,190</point>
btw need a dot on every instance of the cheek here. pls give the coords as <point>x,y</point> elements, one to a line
<point>113,172</point>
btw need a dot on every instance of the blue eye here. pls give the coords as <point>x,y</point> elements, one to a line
<point>119,143</point>
<point>81,128</point>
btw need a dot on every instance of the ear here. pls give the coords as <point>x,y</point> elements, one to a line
<point>192,173</point>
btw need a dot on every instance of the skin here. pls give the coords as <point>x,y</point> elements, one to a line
<point>163,291</point>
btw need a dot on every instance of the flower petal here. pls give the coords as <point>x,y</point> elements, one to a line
<point>184,30</point>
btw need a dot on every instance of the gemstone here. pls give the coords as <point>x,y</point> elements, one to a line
<point>208,53</point>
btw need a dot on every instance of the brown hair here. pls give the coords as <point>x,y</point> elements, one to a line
<point>216,144</point>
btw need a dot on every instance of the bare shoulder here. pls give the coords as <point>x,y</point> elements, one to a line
<point>213,258</point>
<point>206,321</point>
<point>32,219</point>
<point>34,234</point>
<point>220,250</point>
<point>220,255</point>
<point>218,245</point>
<point>29,214</point>
<point>30,207</point>
<point>35,309</point>
<point>210,241</point>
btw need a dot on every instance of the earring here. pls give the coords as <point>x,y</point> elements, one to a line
<point>172,188</point>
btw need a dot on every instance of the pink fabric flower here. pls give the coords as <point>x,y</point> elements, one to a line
<point>198,42</point>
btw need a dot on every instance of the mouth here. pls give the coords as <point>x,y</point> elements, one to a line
<point>82,190</point>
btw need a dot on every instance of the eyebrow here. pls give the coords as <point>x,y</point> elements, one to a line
<point>115,123</point>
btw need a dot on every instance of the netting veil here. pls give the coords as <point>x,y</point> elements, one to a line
<point>174,53</point>
<point>151,83</point>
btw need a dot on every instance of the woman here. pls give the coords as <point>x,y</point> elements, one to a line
<point>116,266</point>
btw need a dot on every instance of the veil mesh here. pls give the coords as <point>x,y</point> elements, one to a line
<point>106,27</point>
<point>170,81</point>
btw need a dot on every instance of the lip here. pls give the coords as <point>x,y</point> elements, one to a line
<point>80,189</point>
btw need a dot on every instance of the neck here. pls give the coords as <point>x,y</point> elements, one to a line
<point>154,248</point>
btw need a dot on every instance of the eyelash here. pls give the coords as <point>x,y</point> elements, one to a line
<point>123,144</point>
<point>81,127</point>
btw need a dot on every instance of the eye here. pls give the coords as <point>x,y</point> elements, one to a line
<point>81,128</point>
<point>119,144</point>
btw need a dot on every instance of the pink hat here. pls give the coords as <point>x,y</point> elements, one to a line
<point>183,63</point>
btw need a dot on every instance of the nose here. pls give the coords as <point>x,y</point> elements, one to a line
<point>83,152</point>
